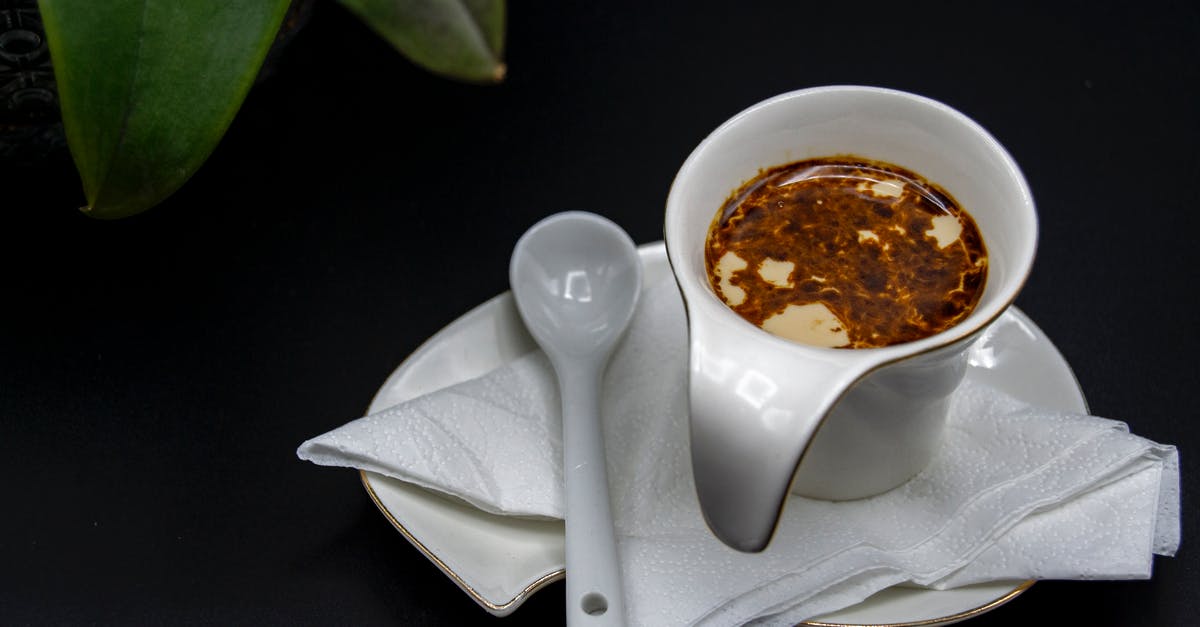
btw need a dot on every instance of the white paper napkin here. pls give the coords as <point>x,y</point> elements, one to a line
<point>1015,493</point>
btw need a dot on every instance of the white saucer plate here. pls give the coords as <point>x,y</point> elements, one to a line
<point>499,561</point>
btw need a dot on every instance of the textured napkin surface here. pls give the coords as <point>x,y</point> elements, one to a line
<point>1016,492</point>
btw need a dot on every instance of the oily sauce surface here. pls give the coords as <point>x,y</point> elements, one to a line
<point>846,252</point>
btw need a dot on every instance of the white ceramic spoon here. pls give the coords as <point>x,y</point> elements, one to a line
<point>576,278</point>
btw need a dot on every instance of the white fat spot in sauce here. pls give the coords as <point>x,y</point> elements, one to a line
<point>946,230</point>
<point>812,324</point>
<point>776,272</point>
<point>890,189</point>
<point>729,264</point>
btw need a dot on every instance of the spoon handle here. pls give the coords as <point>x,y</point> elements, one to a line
<point>594,594</point>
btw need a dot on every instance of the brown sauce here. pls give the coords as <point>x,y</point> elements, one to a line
<point>846,252</point>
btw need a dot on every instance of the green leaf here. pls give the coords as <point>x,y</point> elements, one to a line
<point>148,87</point>
<point>462,39</point>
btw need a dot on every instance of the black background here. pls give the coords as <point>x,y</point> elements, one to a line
<point>157,373</point>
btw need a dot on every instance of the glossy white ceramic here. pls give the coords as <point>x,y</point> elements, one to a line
<point>576,278</point>
<point>499,561</point>
<point>757,400</point>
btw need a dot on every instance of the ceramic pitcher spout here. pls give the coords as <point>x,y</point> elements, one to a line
<point>754,413</point>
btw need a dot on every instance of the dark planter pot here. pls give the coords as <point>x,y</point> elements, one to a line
<point>30,124</point>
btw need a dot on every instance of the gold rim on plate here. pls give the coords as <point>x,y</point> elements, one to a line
<point>944,620</point>
<point>538,584</point>
<point>556,575</point>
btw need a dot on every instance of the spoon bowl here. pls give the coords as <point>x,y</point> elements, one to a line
<point>571,275</point>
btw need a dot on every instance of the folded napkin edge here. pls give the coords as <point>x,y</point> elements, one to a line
<point>323,454</point>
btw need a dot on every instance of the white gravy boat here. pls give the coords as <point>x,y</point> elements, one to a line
<point>770,416</point>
